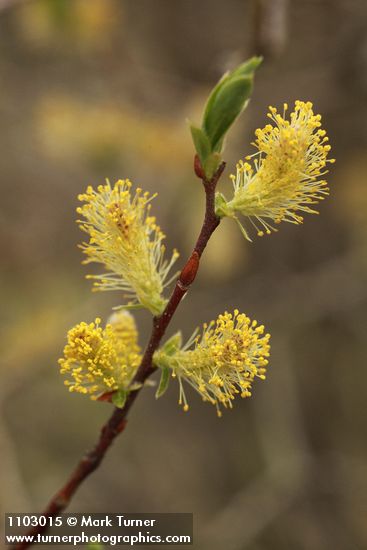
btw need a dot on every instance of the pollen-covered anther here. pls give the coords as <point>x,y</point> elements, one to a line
<point>125,237</point>
<point>285,174</point>
<point>101,360</point>
<point>222,362</point>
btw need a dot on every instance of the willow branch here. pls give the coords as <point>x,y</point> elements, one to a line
<point>117,422</point>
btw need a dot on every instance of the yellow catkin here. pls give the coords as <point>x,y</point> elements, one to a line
<point>231,352</point>
<point>284,179</point>
<point>100,360</point>
<point>126,239</point>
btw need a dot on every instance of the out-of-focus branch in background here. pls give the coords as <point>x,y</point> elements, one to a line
<point>270,29</point>
<point>4,4</point>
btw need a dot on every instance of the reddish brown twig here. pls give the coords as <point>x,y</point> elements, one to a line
<point>117,421</point>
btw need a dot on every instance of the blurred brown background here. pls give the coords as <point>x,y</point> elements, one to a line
<point>101,88</point>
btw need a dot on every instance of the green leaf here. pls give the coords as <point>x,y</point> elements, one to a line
<point>212,97</point>
<point>201,143</point>
<point>163,383</point>
<point>220,205</point>
<point>173,344</point>
<point>161,357</point>
<point>119,398</point>
<point>211,164</point>
<point>247,68</point>
<point>229,102</point>
<point>219,145</point>
<point>218,101</point>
